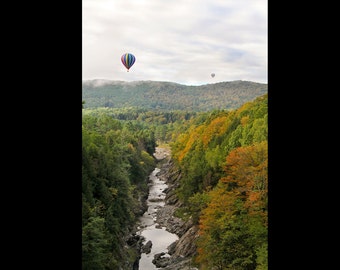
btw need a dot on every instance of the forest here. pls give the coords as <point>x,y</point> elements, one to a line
<point>222,155</point>
<point>224,185</point>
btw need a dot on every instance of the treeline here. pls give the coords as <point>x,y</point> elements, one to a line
<point>116,161</point>
<point>164,125</point>
<point>223,159</point>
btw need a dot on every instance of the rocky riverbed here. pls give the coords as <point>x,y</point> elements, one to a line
<point>180,252</point>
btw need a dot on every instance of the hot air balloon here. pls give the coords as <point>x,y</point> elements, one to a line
<point>128,60</point>
<point>213,75</point>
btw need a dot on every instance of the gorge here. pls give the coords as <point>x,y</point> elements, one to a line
<point>168,241</point>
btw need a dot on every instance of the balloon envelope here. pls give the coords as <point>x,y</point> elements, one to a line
<point>128,60</point>
<point>213,75</point>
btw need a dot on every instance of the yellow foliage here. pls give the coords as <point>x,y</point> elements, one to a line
<point>216,127</point>
<point>193,137</point>
<point>244,120</point>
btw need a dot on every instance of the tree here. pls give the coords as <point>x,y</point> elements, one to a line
<point>233,226</point>
<point>95,245</point>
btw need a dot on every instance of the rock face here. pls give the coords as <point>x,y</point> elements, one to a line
<point>135,243</point>
<point>182,251</point>
<point>147,247</point>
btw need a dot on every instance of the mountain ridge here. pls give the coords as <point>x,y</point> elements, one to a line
<point>167,96</point>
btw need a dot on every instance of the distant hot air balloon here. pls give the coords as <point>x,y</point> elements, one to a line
<point>128,60</point>
<point>213,75</point>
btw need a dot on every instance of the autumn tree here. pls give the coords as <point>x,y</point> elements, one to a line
<point>233,226</point>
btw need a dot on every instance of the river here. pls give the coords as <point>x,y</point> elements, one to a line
<point>151,230</point>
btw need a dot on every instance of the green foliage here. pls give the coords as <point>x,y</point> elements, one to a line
<point>110,151</point>
<point>262,257</point>
<point>161,125</point>
<point>197,203</point>
<point>95,245</point>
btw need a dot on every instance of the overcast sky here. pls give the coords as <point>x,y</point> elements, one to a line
<point>182,41</point>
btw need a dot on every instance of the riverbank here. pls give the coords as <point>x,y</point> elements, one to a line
<point>156,237</point>
<point>182,250</point>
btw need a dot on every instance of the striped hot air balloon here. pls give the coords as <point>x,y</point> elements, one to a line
<point>128,60</point>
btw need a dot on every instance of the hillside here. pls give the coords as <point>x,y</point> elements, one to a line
<point>167,96</point>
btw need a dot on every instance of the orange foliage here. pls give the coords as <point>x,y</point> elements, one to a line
<point>193,137</point>
<point>245,164</point>
<point>244,107</point>
<point>247,167</point>
<point>220,204</point>
<point>246,173</point>
<point>217,126</point>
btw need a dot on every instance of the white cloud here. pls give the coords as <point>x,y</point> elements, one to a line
<point>181,41</point>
